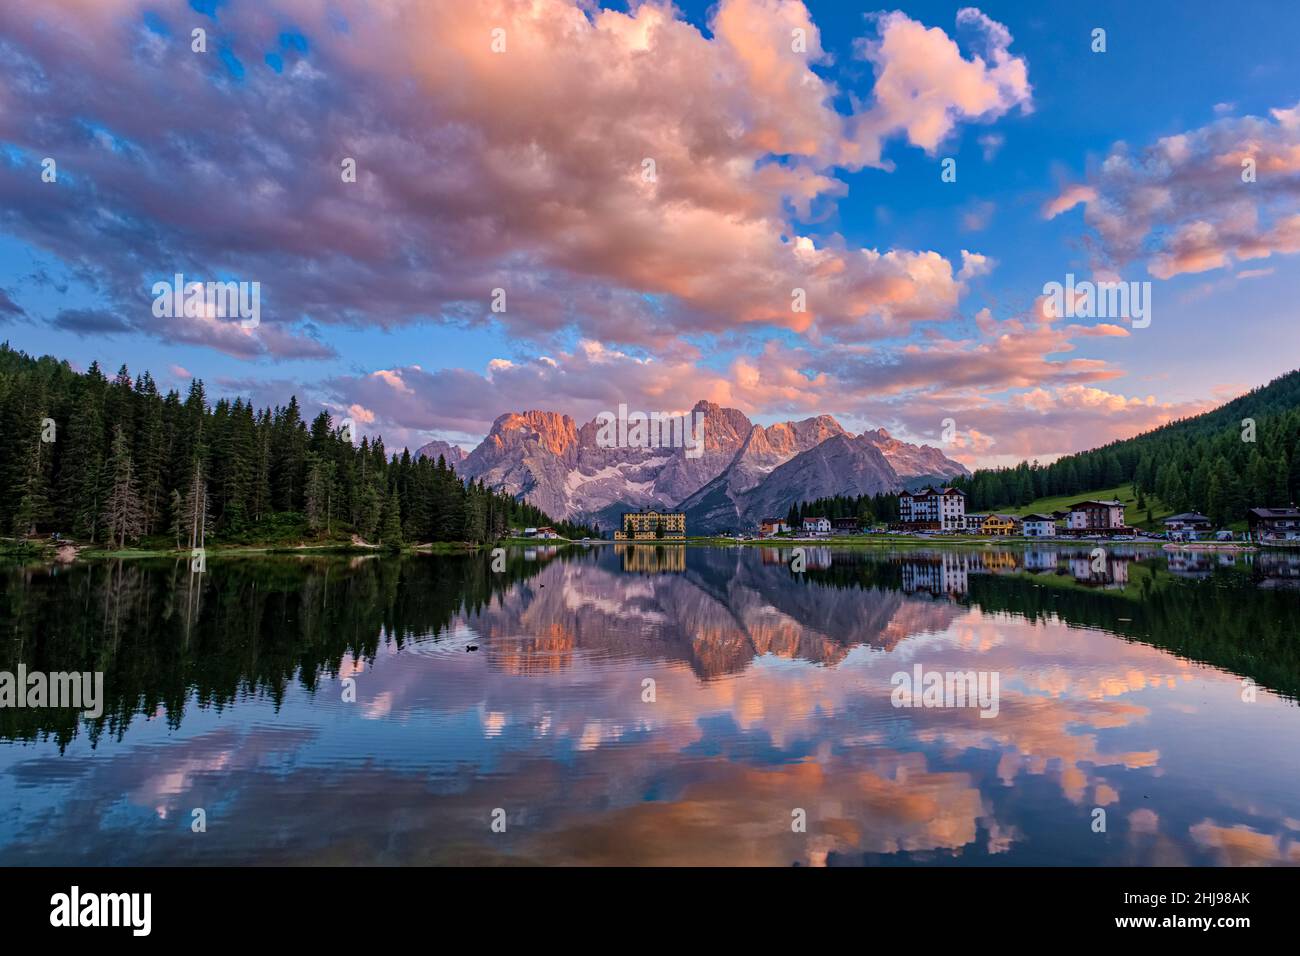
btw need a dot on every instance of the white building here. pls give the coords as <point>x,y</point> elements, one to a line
<point>1096,516</point>
<point>944,574</point>
<point>1038,526</point>
<point>933,510</point>
<point>817,525</point>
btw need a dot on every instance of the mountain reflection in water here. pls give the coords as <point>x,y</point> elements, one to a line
<point>1158,687</point>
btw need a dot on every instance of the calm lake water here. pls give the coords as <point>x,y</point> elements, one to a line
<point>1160,690</point>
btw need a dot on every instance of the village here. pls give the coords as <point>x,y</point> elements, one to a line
<point>941,512</point>
<point>931,511</point>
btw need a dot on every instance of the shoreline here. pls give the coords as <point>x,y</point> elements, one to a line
<point>68,553</point>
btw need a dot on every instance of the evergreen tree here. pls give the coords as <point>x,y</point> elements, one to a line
<point>390,533</point>
<point>34,500</point>
<point>194,514</point>
<point>123,517</point>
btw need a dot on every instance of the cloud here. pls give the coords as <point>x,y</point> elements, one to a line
<point>977,215</point>
<point>925,87</point>
<point>409,402</point>
<point>1069,197</point>
<point>991,144</point>
<point>86,322</point>
<point>9,309</point>
<point>974,265</point>
<point>539,151</point>
<point>1012,385</point>
<point>1196,201</point>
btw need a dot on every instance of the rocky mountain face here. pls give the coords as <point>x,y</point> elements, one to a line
<point>744,471</point>
<point>718,505</point>
<point>841,465</point>
<point>529,454</point>
<point>452,454</point>
<point>914,461</point>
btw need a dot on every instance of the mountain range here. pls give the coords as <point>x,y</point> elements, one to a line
<point>745,472</point>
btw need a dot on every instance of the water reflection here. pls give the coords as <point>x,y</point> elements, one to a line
<point>527,690</point>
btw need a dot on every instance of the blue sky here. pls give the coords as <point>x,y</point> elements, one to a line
<point>478,169</point>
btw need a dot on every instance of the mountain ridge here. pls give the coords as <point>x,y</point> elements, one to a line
<point>740,470</point>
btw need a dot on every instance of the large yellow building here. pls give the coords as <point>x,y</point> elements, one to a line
<point>646,525</point>
<point>999,525</point>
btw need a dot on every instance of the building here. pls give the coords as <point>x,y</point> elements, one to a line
<point>1041,560</point>
<point>1189,525</point>
<point>1000,525</point>
<point>773,526</point>
<point>816,525</point>
<point>1038,526</point>
<point>974,523</point>
<point>845,525</point>
<point>647,559</point>
<point>1274,524</point>
<point>940,575</point>
<point>931,509</point>
<point>1087,517</point>
<point>816,557</point>
<point>652,526</point>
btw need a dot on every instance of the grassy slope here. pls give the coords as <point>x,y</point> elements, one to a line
<point>1132,516</point>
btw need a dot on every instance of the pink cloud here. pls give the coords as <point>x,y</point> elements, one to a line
<point>1012,381</point>
<point>1068,198</point>
<point>1196,201</point>
<point>925,86</point>
<point>539,151</point>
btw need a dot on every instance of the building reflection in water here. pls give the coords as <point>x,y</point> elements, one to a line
<point>947,572</point>
<point>652,559</point>
<point>814,559</point>
<point>541,554</point>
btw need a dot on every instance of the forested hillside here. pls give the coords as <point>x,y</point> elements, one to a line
<point>868,509</point>
<point>115,461</point>
<point>1201,463</point>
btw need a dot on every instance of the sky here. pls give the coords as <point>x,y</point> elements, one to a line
<point>787,208</point>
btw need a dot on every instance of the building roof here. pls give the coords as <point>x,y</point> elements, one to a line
<point>1097,501</point>
<point>1187,516</point>
<point>1038,517</point>
<point>1275,512</point>
<point>931,490</point>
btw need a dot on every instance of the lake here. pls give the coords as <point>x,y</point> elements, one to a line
<point>661,705</point>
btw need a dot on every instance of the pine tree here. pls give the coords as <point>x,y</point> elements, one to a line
<point>319,493</point>
<point>260,490</point>
<point>34,501</point>
<point>194,516</point>
<point>151,451</point>
<point>390,532</point>
<point>80,482</point>
<point>370,509</point>
<point>123,516</point>
<point>314,503</point>
<point>177,509</point>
